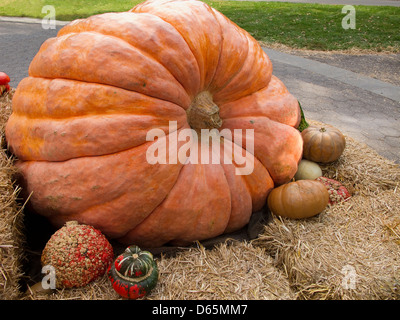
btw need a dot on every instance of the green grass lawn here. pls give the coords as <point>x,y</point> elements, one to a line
<point>308,26</point>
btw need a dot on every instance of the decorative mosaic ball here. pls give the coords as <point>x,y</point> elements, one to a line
<point>79,254</point>
<point>134,273</point>
<point>337,192</point>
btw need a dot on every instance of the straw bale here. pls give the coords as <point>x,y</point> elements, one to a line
<point>11,228</point>
<point>352,249</point>
<point>229,271</point>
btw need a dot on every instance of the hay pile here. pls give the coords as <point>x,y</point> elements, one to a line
<point>11,229</point>
<point>352,249</point>
<point>229,271</point>
<point>349,251</point>
<point>232,270</point>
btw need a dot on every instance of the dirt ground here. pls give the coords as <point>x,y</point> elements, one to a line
<point>384,66</point>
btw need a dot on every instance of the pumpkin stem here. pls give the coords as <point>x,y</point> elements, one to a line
<point>322,129</point>
<point>203,113</point>
<point>303,122</point>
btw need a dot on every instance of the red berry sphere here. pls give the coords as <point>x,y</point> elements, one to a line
<point>79,253</point>
<point>337,192</point>
<point>4,80</point>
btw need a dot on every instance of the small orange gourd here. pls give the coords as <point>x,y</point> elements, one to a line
<point>299,199</point>
<point>323,143</point>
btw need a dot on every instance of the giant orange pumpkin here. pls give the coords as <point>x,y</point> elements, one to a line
<point>80,121</point>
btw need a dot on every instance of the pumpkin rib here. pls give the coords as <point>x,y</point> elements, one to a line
<point>29,92</point>
<point>307,148</point>
<point>86,136</point>
<point>80,216</point>
<point>320,140</point>
<point>338,149</point>
<point>159,227</point>
<point>191,50</point>
<point>157,223</point>
<point>236,44</point>
<point>23,126</point>
<point>79,64</point>
<point>91,25</point>
<point>290,204</point>
<point>279,157</point>
<point>266,184</point>
<point>332,145</point>
<point>254,115</point>
<point>258,65</point>
<point>233,76</point>
<point>196,24</point>
<point>241,198</point>
<point>201,218</point>
<point>157,61</point>
<point>221,46</point>
<point>258,203</point>
<point>273,101</point>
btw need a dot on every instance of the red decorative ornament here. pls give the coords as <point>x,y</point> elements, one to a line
<point>337,192</point>
<point>4,80</point>
<point>79,253</point>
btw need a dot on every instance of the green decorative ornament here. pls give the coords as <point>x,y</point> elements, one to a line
<point>134,273</point>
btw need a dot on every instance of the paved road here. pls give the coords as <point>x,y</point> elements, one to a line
<point>364,108</point>
<point>19,42</point>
